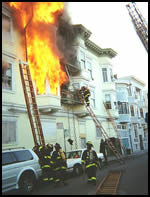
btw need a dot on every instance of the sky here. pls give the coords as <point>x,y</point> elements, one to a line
<point>111,27</point>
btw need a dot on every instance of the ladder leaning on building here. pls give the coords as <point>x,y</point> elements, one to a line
<point>104,133</point>
<point>30,99</point>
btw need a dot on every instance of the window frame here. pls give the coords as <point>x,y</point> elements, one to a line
<point>108,103</point>
<point>105,75</point>
<point>82,60</point>
<point>132,112</point>
<point>12,77</point>
<point>92,99</point>
<point>8,38</point>
<point>9,119</point>
<point>89,68</point>
<point>123,108</point>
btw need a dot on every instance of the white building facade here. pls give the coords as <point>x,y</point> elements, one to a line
<point>131,107</point>
<point>60,120</point>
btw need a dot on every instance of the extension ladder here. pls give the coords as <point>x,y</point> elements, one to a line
<point>115,128</point>
<point>31,104</point>
<point>102,130</point>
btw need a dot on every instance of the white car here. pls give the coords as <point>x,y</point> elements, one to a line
<point>20,169</point>
<point>74,160</point>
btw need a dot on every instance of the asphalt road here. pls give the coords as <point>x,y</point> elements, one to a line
<point>133,181</point>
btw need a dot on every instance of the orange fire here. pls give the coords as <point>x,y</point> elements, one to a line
<point>43,54</point>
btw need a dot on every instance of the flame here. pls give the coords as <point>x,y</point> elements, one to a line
<point>43,54</point>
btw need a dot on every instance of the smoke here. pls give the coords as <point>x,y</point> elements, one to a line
<point>67,37</point>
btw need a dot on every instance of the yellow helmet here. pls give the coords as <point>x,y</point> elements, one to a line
<point>89,143</point>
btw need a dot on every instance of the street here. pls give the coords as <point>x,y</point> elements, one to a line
<point>133,181</point>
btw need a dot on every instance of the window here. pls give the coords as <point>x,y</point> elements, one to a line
<point>49,128</point>
<point>129,91</point>
<point>76,85</point>
<point>141,113</point>
<point>89,69</point>
<point>24,155</point>
<point>82,59</point>
<point>111,75</point>
<point>118,126</point>
<point>135,131</point>
<point>83,143</point>
<point>104,71</point>
<point>92,98</point>
<point>8,132</point>
<point>6,27</point>
<point>98,132</point>
<point>6,75</point>
<point>108,101</point>
<point>124,126</point>
<point>123,108</point>
<point>8,158</point>
<point>132,110</point>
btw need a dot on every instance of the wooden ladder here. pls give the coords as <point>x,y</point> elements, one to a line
<point>30,99</point>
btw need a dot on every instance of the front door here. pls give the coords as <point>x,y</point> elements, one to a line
<point>141,142</point>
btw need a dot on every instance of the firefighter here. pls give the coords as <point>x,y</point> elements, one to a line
<point>90,163</point>
<point>85,93</point>
<point>60,165</point>
<point>44,162</point>
<point>48,158</point>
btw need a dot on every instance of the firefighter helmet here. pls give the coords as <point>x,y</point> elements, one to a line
<point>49,147</point>
<point>89,143</point>
<point>57,146</point>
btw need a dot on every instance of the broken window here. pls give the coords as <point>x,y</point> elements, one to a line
<point>6,75</point>
<point>104,71</point>
<point>8,132</point>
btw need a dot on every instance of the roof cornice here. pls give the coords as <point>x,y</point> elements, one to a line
<point>84,32</point>
<point>106,51</point>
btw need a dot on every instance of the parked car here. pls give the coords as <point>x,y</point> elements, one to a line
<point>20,169</point>
<point>74,161</point>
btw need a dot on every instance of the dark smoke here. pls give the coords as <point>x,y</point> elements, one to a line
<point>67,37</point>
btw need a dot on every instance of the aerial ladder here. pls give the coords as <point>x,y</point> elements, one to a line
<point>30,99</point>
<point>102,130</point>
<point>139,23</point>
<point>115,127</point>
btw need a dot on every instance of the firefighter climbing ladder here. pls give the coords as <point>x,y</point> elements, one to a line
<point>115,128</point>
<point>31,104</point>
<point>101,129</point>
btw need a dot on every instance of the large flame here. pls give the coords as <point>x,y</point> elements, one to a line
<point>42,51</point>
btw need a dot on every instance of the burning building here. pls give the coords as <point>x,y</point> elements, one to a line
<point>60,56</point>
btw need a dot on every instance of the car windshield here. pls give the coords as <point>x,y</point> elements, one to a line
<point>73,154</point>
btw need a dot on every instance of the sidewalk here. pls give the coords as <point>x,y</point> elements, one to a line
<point>134,154</point>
